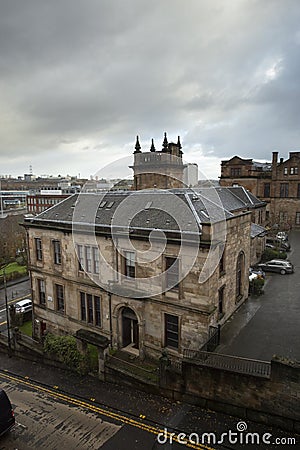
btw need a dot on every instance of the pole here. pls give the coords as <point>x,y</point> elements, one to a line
<point>1,200</point>
<point>7,313</point>
<point>110,319</point>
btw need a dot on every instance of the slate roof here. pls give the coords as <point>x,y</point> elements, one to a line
<point>264,166</point>
<point>172,210</point>
<point>245,197</point>
<point>257,230</point>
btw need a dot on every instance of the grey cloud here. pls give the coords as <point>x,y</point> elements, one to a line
<point>78,71</point>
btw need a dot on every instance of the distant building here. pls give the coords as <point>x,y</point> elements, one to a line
<point>277,183</point>
<point>37,203</point>
<point>190,175</point>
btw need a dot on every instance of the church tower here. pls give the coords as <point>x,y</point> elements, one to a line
<point>158,169</point>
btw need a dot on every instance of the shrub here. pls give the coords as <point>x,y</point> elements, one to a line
<point>269,254</point>
<point>65,348</point>
<point>257,286</point>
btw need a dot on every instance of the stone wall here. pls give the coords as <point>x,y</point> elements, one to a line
<point>273,400</point>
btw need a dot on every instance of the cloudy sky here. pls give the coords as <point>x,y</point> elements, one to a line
<point>79,79</point>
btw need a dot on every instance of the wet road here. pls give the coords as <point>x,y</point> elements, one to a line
<point>115,418</point>
<point>46,418</point>
<point>268,325</point>
<point>44,422</point>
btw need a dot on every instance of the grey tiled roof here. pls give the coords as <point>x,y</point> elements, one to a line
<point>173,210</point>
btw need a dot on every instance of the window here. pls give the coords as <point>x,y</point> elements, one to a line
<point>172,273</point>
<point>96,260</point>
<point>266,189</point>
<point>82,306</point>
<point>222,262</point>
<point>294,170</point>
<point>90,307</point>
<point>90,316</point>
<point>298,190</point>
<point>88,259</point>
<point>285,171</point>
<point>297,218</point>
<point>80,257</point>
<point>284,190</point>
<point>38,249</point>
<point>235,171</point>
<point>41,291</point>
<point>97,311</point>
<point>57,252</point>
<point>283,216</point>
<point>171,331</point>
<point>221,300</point>
<point>60,301</point>
<point>129,264</point>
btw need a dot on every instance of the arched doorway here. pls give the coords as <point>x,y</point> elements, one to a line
<point>130,328</point>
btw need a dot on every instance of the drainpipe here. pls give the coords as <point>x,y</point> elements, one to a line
<point>110,318</point>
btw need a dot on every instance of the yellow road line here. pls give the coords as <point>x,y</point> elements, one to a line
<point>99,410</point>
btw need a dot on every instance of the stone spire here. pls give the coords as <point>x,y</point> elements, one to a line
<point>179,145</point>
<point>137,146</point>
<point>152,148</point>
<point>165,143</point>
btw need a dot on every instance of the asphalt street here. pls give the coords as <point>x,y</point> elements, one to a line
<point>268,325</point>
<point>97,414</point>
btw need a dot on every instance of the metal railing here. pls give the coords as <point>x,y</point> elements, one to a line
<point>231,363</point>
<point>213,339</point>
<point>175,364</point>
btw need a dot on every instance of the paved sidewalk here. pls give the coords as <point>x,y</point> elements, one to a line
<point>268,325</point>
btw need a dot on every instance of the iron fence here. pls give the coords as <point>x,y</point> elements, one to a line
<point>231,363</point>
<point>213,339</point>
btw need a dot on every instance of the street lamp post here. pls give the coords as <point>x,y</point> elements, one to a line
<point>7,313</point>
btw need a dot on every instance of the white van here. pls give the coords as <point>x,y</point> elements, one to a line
<point>23,306</point>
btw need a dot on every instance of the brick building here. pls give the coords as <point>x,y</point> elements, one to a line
<point>93,272</point>
<point>277,183</point>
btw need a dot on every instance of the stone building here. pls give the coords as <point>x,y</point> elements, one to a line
<point>158,169</point>
<point>277,183</point>
<point>146,269</point>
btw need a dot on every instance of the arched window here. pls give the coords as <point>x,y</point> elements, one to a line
<point>240,270</point>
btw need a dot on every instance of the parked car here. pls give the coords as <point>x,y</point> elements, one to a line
<point>7,416</point>
<point>279,244</point>
<point>277,265</point>
<point>256,272</point>
<point>282,235</point>
<point>23,306</point>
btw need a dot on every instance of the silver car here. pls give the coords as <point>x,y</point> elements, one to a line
<point>277,265</point>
